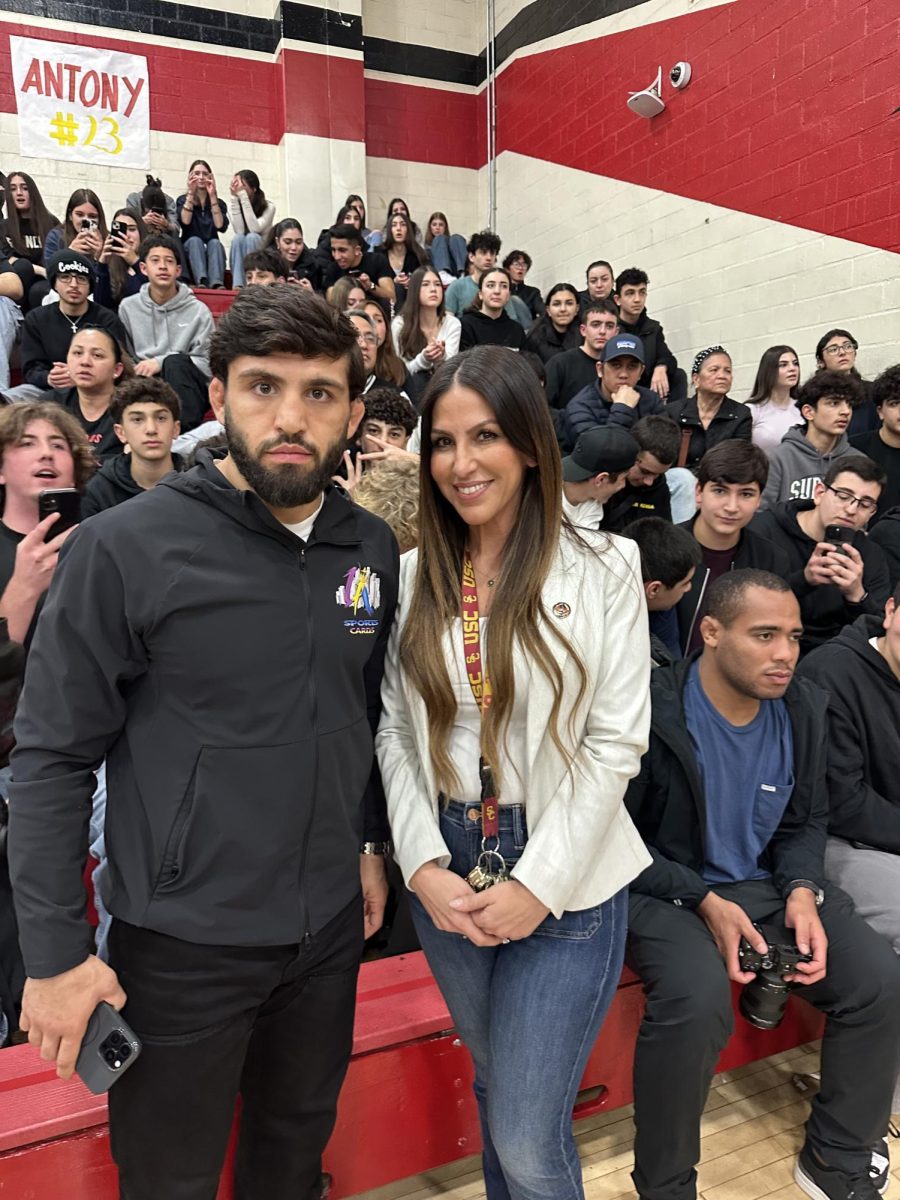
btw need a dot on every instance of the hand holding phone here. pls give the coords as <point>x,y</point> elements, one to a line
<point>109,1047</point>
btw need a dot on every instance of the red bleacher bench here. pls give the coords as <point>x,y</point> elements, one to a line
<point>217,300</point>
<point>406,1107</point>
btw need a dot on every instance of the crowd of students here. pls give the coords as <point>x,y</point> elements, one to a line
<point>757,533</point>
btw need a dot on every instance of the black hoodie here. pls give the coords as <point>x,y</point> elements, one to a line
<point>481,330</point>
<point>863,735</point>
<point>656,352</point>
<point>823,609</point>
<point>886,535</point>
<point>114,483</point>
<point>229,672</point>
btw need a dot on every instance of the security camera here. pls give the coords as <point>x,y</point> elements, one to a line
<point>680,75</point>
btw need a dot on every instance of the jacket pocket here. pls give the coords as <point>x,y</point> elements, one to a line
<point>237,840</point>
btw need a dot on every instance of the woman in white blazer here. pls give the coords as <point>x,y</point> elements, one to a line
<point>515,711</point>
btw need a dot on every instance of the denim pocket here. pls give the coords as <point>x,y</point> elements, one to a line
<point>572,926</point>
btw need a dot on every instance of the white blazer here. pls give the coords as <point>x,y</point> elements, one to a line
<point>582,846</point>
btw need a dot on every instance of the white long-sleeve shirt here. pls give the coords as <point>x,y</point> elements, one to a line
<point>449,334</point>
<point>245,220</point>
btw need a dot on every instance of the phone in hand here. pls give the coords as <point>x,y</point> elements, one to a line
<point>119,230</point>
<point>836,535</point>
<point>109,1047</point>
<point>88,225</point>
<point>66,502</point>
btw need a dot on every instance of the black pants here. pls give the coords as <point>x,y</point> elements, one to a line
<point>273,1023</point>
<point>688,1020</point>
<point>185,377</point>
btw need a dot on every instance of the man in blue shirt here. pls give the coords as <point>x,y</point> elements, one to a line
<point>732,803</point>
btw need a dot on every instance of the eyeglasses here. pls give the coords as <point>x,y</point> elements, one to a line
<point>840,348</point>
<point>864,503</point>
<point>367,339</point>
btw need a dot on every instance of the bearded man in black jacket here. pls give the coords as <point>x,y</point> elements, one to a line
<point>732,804</point>
<point>220,641</point>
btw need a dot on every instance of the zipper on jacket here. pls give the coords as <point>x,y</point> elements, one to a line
<point>314,713</point>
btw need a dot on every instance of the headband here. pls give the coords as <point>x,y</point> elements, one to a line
<point>704,355</point>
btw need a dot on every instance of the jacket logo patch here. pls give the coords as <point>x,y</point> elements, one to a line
<point>361,594</point>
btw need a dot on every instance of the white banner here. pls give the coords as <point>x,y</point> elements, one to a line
<point>81,104</point>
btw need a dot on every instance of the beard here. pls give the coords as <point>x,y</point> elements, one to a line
<point>284,486</point>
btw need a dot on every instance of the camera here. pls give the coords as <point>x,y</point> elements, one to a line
<point>119,230</point>
<point>763,1000</point>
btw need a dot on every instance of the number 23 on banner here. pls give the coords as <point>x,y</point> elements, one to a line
<point>103,135</point>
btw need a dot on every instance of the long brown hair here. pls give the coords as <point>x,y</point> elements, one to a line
<point>38,217</point>
<point>83,196</point>
<point>412,340</point>
<point>511,390</point>
<point>118,271</point>
<point>387,365</point>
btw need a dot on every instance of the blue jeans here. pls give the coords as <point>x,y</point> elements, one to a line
<point>449,254</point>
<point>241,245</point>
<point>206,261</point>
<point>529,1013</point>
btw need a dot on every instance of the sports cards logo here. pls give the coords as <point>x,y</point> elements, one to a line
<point>361,594</point>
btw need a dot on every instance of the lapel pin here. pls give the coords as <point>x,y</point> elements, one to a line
<point>561,609</point>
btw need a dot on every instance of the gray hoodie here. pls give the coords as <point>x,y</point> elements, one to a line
<point>796,466</point>
<point>180,326</point>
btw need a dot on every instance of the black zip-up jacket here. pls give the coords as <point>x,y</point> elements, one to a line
<point>229,673</point>
<point>863,747</point>
<point>823,608</point>
<point>886,535</point>
<point>667,804</point>
<point>753,550</point>
<point>114,483</point>
<point>733,420</point>
<point>656,352</point>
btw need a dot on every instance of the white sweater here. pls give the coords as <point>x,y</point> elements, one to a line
<point>449,334</point>
<point>582,846</point>
<point>244,219</point>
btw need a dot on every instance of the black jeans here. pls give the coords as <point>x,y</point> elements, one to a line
<point>689,1019</point>
<point>274,1024</point>
<point>183,375</point>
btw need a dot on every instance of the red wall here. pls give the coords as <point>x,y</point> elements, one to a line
<point>788,115</point>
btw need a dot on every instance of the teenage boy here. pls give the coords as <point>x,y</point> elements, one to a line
<point>570,371</point>
<point>860,670</point>
<point>883,445</point>
<point>595,471</point>
<point>170,328</point>
<point>732,803</point>
<point>661,373</point>
<point>518,263</point>
<point>48,330</point>
<point>805,454</point>
<point>730,482</point>
<point>388,421</point>
<point>194,639</point>
<point>370,268</point>
<point>482,250</point>
<point>835,581</point>
<point>646,491</point>
<point>41,446</point>
<point>614,397</point>
<point>600,281</point>
<point>670,558</point>
<point>145,415</point>
<point>265,267</point>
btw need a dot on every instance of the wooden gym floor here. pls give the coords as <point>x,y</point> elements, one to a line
<point>751,1134</point>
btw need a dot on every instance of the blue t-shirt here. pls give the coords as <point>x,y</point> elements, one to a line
<point>748,776</point>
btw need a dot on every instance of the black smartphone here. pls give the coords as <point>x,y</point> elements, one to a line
<point>119,229</point>
<point>836,535</point>
<point>109,1047</point>
<point>66,502</point>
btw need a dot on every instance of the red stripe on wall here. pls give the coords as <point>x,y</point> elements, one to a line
<point>788,115</point>
<point>422,124</point>
<point>226,96</point>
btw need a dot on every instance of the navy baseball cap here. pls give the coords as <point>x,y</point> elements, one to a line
<point>621,345</point>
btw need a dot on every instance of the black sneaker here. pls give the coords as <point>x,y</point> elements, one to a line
<point>822,1182</point>
<point>880,1166</point>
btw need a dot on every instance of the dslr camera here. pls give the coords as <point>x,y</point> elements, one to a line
<point>763,1000</point>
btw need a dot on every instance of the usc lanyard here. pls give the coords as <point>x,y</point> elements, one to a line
<point>482,875</point>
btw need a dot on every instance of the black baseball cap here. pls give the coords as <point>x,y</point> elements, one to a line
<point>623,345</point>
<point>605,448</point>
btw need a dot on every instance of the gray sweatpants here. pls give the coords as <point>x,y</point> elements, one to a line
<point>872,879</point>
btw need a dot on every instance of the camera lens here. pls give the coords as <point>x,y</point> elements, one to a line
<point>115,1038</point>
<point>111,1057</point>
<point>124,1052</point>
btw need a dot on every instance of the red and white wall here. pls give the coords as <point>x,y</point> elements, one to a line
<point>762,202</point>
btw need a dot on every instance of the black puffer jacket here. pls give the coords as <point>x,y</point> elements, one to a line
<point>733,420</point>
<point>667,804</point>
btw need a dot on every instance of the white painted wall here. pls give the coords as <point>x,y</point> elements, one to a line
<point>715,275</point>
<point>426,189</point>
<point>447,24</point>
